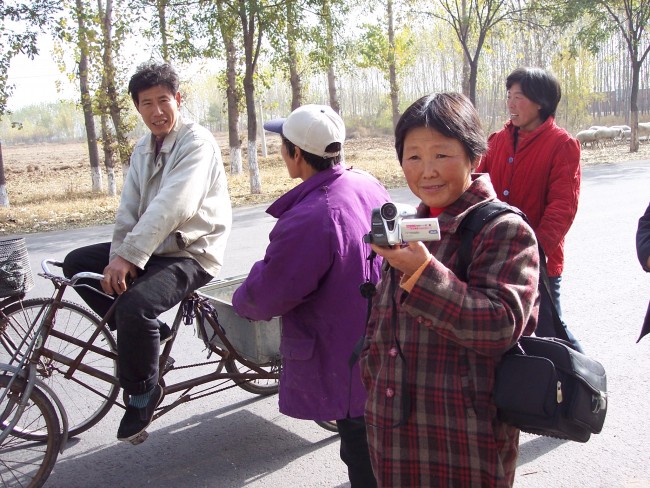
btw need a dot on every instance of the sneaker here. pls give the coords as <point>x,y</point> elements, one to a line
<point>165,333</point>
<point>136,420</point>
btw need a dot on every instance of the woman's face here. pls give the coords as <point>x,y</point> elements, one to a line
<point>524,113</point>
<point>436,167</point>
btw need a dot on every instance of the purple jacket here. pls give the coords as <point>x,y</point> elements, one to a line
<point>310,275</point>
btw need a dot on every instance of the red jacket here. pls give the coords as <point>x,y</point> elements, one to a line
<point>542,178</point>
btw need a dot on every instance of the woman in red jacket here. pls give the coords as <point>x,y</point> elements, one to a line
<point>535,166</point>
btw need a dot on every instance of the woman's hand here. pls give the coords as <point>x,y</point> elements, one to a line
<point>406,259</point>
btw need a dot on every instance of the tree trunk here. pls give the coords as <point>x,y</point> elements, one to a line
<point>115,108</point>
<point>86,102</point>
<point>464,39</point>
<point>162,25</point>
<point>392,71</point>
<point>4,197</point>
<point>108,95</point>
<point>294,75</point>
<point>261,132</point>
<point>109,155</point>
<point>634,109</point>
<point>252,43</point>
<point>330,53</point>
<point>253,168</point>
<point>473,77</point>
<point>233,93</point>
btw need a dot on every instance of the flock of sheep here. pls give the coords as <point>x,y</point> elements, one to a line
<point>601,136</point>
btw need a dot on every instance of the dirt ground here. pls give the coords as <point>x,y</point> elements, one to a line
<point>49,185</point>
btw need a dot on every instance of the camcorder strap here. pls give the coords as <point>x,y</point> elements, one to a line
<point>367,290</point>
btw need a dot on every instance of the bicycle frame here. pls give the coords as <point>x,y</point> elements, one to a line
<point>191,308</point>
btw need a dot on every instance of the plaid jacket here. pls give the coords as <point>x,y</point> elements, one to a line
<point>438,346</point>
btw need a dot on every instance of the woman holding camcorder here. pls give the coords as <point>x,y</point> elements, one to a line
<point>433,340</point>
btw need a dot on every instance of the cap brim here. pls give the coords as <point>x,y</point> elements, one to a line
<point>274,125</point>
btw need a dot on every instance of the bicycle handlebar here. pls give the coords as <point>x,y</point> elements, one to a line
<point>72,281</point>
<point>75,278</point>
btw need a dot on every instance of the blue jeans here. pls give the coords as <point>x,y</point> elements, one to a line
<point>163,283</point>
<point>545,325</point>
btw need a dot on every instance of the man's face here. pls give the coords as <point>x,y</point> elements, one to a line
<point>291,162</point>
<point>158,107</point>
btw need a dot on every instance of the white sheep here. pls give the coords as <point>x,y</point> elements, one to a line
<point>608,134</point>
<point>644,130</point>
<point>626,131</point>
<point>587,137</point>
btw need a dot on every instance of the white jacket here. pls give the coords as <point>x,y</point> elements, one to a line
<point>176,204</point>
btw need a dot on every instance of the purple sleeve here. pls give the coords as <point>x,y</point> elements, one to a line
<point>299,254</point>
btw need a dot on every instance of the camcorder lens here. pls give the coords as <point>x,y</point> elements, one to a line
<point>388,211</point>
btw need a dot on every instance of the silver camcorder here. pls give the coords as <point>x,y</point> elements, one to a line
<point>394,223</point>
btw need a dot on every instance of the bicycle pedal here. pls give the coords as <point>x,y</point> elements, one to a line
<point>140,438</point>
<point>169,364</point>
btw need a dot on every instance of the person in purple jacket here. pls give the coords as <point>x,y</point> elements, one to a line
<point>310,276</point>
<point>643,252</point>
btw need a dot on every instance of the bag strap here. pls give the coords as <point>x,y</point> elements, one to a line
<point>469,228</point>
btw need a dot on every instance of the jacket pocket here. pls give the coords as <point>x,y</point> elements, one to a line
<point>299,373</point>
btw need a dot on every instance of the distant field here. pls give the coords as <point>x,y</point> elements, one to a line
<point>49,185</point>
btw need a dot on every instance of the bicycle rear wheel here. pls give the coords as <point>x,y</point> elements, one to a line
<point>328,425</point>
<point>86,398</point>
<point>29,452</point>
<point>257,386</point>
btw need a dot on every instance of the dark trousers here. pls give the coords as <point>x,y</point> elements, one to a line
<point>354,452</point>
<point>163,284</point>
<point>545,323</point>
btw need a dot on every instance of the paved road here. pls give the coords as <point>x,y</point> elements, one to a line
<point>235,439</point>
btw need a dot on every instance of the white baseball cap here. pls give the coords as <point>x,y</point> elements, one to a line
<point>312,128</point>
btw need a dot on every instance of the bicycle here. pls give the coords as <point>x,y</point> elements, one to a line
<point>32,421</point>
<point>68,352</point>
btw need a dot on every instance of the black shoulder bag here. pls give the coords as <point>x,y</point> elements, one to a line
<point>543,385</point>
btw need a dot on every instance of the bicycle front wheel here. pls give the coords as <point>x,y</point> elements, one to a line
<point>85,397</point>
<point>29,452</point>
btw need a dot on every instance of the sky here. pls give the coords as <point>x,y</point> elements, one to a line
<point>35,79</point>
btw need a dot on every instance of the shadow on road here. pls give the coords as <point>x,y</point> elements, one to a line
<point>228,447</point>
<point>536,447</point>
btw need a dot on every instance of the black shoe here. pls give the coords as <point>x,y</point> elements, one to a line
<point>136,420</point>
<point>165,333</point>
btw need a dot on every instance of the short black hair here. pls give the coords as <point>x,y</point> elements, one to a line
<point>539,86</point>
<point>452,114</point>
<point>150,74</point>
<point>319,163</point>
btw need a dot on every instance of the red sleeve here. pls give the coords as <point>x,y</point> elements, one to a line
<point>561,196</point>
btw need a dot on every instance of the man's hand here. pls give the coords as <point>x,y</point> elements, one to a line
<point>406,259</point>
<point>117,274</point>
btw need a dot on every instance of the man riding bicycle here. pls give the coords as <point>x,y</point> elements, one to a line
<point>170,233</point>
